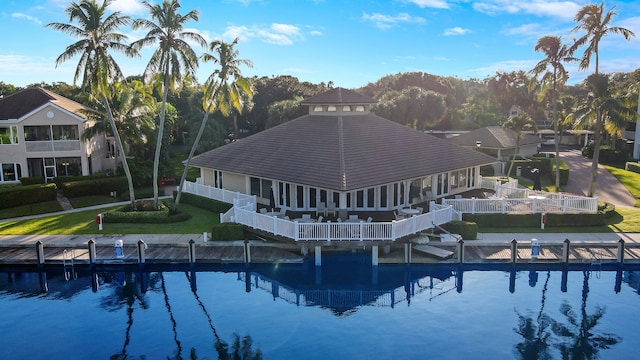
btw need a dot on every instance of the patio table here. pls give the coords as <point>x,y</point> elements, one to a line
<point>409,211</point>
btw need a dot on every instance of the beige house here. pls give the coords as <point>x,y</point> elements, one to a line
<point>343,154</point>
<point>40,135</point>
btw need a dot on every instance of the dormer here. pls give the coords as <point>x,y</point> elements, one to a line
<point>339,101</point>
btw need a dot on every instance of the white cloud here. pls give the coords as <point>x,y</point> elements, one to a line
<point>128,7</point>
<point>559,9</point>
<point>26,17</point>
<point>315,33</point>
<point>504,66</point>
<point>383,21</point>
<point>456,31</point>
<point>14,67</point>
<point>277,34</point>
<point>525,29</point>
<point>438,4</point>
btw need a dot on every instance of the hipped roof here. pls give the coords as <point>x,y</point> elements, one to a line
<point>342,152</point>
<point>495,137</point>
<point>23,102</point>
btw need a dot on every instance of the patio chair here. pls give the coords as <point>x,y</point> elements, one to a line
<point>353,217</point>
<point>320,218</point>
<point>397,216</point>
<point>322,208</point>
<point>369,219</point>
<point>286,218</point>
<point>331,208</point>
<point>263,211</point>
<point>420,209</point>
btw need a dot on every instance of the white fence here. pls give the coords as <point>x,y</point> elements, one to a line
<point>244,212</point>
<point>514,200</point>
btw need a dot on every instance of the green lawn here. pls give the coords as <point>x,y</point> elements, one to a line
<point>33,209</point>
<point>84,223</point>
<point>629,179</point>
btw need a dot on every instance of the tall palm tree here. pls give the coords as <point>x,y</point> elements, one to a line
<point>556,54</point>
<point>595,23</point>
<point>173,55</point>
<point>224,91</point>
<point>97,33</point>
<point>599,102</point>
<point>518,124</point>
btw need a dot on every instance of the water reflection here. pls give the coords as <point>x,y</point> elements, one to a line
<point>561,329</point>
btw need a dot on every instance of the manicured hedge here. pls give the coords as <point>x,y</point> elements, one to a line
<point>61,180</point>
<point>32,180</point>
<point>12,196</point>
<point>633,166</point>
<point>203,202</point>
<point>95,186</point>
<point>533,220</point>
<point>125,215</point>
<point>468,230</point>
<point>227,231</point>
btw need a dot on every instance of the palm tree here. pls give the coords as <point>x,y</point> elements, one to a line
<point>535,332</point>
<point>582,341</point>
<point>596,24</point>
<point>97,32</point>
<point>518,124</point>
<point>224,91</point>
<point>599,102</point>
<point>170,58</point>
<point>556,54</point>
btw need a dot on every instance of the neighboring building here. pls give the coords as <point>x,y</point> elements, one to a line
<point>499,143</point>
<point>342,153</point>
<point>40,135</point>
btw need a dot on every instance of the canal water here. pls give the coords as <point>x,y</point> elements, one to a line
<point>346,309</point>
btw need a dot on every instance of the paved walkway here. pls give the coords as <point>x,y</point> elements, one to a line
<point>608,188</point>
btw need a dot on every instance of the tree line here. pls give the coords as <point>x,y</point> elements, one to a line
<point>167,106</point>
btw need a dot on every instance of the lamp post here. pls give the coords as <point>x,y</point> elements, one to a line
<point>478,144</point>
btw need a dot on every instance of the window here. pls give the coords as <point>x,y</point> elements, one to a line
<point>37,133</point>
<point>360,108</point>
<point>68,166</point>
<point>65,132</point>
<point>217,179</point>
<point>454,179</point>
<point>299,197</point>
<point>331,108</point>
<point>462,177</point>
<point>346,108</point>
<point>10,172</point>
<point>371,197</point>
<point>360,199</point>
<point>8,135</point>
<point>313,201</point>
<point>266,188</point>
<point>383,196</point>
<point>318,108</point>
<point>255,186</point>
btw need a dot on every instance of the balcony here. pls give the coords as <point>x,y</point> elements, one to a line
<point>53,146</point>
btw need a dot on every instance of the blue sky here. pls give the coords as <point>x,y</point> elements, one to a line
<point>350,43</point>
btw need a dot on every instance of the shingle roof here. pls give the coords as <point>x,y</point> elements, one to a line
<point>25,101</point>
<point>341,153</point>
<point>495,137</point>
<point>339,96</point>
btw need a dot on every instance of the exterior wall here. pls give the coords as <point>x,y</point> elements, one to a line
<point>92,155</point>
<point>234,182</point>
<point>528,150</point>
<point>206,176</point>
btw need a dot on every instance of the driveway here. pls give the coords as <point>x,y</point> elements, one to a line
<point>608,188</point>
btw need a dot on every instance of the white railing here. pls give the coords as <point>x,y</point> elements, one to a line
<point>53,145</point>
<point>244,212</point>
<point>530,203</point>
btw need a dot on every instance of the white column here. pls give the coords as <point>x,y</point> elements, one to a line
<point>318,255</point>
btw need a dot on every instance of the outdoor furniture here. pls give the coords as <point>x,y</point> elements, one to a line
<point>322,208</point>
<point>353,217</point>
<point>320,218</point>
<point>398,216</point>
<point>304,220</point>
<point>421,210</point>
<point>369,219</point>
<point>263,211</point>
<point>306,216</point>
<point>331,208</point>
<point>409,211</point>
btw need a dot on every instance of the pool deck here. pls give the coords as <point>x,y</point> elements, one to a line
<point>590,248</point>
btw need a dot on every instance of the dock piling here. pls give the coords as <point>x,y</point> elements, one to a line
<point>461,251</point>
<point>565,251</point>
<point>92,252</point>
<point>192,252</point>
<point>621,251</point>
<point>514,251</point>
<point>40,253</point>
<point>141,248</point>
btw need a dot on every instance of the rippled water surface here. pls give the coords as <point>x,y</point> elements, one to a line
<point>346,310</point>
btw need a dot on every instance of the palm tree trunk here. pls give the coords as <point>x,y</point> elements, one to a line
<point>596,154</point>
<point>156,158</point>
<point>191,152</point>
<point>556,136</point>
<point>125,164</point>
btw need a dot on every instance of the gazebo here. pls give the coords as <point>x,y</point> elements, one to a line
<point>343,154</point>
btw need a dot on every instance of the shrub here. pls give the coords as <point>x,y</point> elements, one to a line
<point>95,186</point>
<point>61,180</point>
<point>204,203</point>
<point>487,170</point>
<point>467,229</point>
<point>227,231</point>
<point>504,220</point>
<point>145,214</point>
<point>633,166</point>
<point>32,180</point>
<point>12,196</point>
